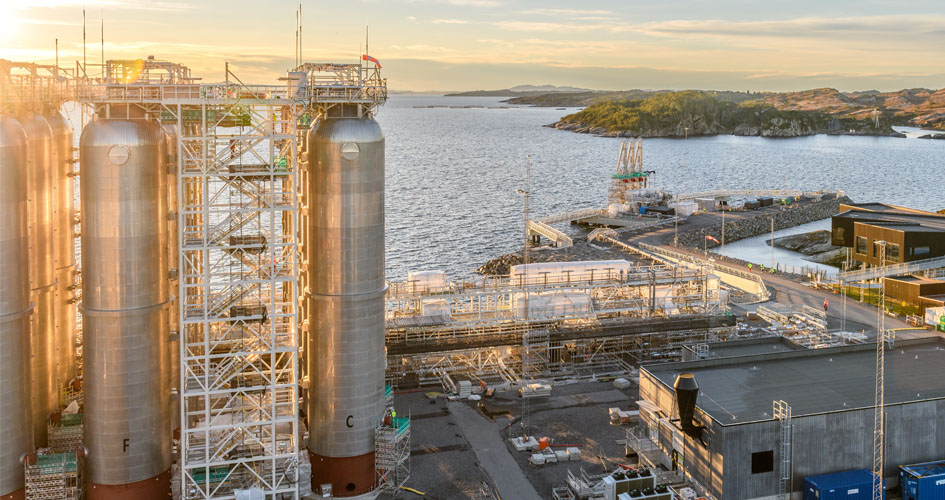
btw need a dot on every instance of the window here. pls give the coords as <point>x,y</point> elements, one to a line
<point>861,245</point>
<point>919,251</point>
<point>892,252</point>
<point>838,236</point>
<point>762,461</point>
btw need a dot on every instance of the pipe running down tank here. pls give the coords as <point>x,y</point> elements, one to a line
<point>125,292</point>
<point>41,182</point>
<point>64,331</point>
<point>15,308</point>
<point>344,242</point>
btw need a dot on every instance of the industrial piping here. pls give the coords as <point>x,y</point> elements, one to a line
<point>125,293</point>
<point>344,244</point>
<point>64,208</point>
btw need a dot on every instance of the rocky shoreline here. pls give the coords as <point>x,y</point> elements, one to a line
<point>784,129</point>
<point>815,245</point>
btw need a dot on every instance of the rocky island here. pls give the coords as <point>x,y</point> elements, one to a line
<point>694,113</point>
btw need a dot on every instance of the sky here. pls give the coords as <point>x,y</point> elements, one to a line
<point>450,45</point>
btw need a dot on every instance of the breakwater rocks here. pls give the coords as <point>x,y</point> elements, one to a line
<point>932,136</point>
<point>746,227</point>
<point>581,250</point>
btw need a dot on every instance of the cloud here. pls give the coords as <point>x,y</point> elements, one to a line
<point>117,4</point>
<point>462,3</point>
<point>865,27</point>
<point>568,12</point>
<point>533,26</point>
<point>450,21</point>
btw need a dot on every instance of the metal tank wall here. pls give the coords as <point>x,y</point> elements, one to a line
<point>124,305</point>
<point>64,332</point>
<point>42,260</point>
<point>344,242</point>
<point>15,406</point>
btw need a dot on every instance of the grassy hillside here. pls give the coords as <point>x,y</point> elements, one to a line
<point>676,114</point>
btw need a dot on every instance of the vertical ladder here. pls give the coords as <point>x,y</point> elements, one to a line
<point>782,411</point>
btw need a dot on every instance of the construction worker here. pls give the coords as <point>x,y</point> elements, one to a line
<point>826,304</point>
<point>762,267</point>
<point>749,267</point>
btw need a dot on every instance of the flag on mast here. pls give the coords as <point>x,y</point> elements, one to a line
<point>366,57</point>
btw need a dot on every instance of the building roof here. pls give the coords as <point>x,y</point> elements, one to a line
<point>881,214</point>
<point>884,207</point>
<point>910,227</point>
<point>749,347</point>
<point>739,390</point>
<point>908,278</point>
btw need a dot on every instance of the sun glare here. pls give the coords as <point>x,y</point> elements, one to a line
<point>8,23</point>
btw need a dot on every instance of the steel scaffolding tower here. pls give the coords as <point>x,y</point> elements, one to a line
<point>236,271</point>
<point>237,216</point>
<point>56,476</point>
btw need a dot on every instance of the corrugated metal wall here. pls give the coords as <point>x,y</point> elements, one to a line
<point>822,444</point>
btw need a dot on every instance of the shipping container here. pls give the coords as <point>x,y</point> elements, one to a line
<point>922,481</point>
<point>847,485</point>
<point>766,201</point>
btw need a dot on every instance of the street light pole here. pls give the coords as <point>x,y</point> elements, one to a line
<point>723,231</point>
<point>772,242</point>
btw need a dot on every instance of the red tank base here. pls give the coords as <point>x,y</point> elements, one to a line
<point>19,494</point>
<point>156,488</point>
<point>348,476</point>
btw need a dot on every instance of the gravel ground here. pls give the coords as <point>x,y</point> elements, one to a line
<point>442,465</point>
<point>574,414</point>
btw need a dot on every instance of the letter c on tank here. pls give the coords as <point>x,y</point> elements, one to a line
<point>348,421</point>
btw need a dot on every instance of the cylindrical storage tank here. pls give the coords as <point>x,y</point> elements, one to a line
<point>15,407</point>
<point>124,309</point>
<point>41,180</point>
<point>171,135</point>
<point>64,337</point>
<point>345,254</point>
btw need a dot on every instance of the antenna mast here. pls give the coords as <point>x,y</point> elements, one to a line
<point>879,424</point>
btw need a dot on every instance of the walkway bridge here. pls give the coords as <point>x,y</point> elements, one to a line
<point>894,270</point>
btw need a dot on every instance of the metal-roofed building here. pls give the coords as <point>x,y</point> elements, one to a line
<point>910,234</point>
<point>732,446</point>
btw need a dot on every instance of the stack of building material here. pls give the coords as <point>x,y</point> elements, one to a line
<point>524,444</point>
<point>574,453</point>
<point>465,388</point>
<point>536,390</point>
<point>621,383</point>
